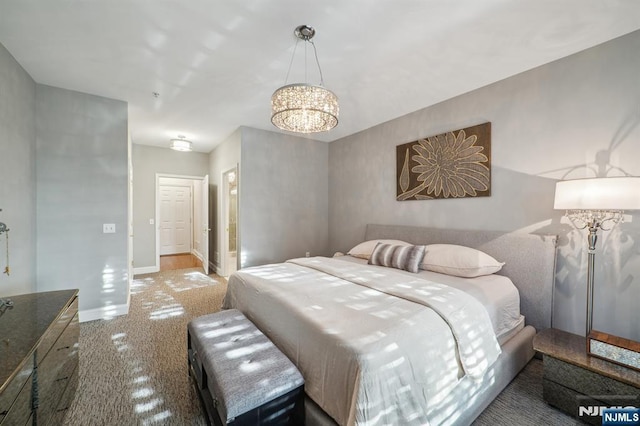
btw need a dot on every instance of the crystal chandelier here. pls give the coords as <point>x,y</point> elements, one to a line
<point>302,107</point>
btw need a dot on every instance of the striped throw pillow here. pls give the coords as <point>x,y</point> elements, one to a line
<point>407,258</point>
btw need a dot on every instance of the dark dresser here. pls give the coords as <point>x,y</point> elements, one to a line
<point>38,358</point>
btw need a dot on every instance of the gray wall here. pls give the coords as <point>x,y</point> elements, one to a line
<point>17,175</point>
<point>147,161</point>
<point>573,118</point>
<point>81,163</point>
<point>283,197</point>
<point>224,157</point>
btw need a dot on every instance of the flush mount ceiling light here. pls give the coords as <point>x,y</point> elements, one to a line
<point>302,107</point>
<point>180,144</point>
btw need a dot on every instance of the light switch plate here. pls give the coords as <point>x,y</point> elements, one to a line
<point>108,228</point>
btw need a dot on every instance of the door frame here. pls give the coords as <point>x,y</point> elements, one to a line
<point>157,213</point>
<point>224,207</point>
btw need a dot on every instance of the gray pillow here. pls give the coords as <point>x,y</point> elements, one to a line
<point>403,257</point>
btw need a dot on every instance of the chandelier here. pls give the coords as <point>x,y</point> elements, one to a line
<point>302,107</point>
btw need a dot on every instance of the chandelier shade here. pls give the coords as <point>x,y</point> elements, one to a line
<point>303,107</point>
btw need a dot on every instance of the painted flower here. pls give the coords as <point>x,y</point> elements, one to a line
<point>451,165</point>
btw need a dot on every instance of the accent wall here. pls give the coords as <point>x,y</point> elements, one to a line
<point>573,118</point>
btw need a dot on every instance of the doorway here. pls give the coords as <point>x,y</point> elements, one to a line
<point>182,215</point>
<point>230,212</point>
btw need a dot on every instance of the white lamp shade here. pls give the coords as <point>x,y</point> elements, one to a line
<point>614,193</point>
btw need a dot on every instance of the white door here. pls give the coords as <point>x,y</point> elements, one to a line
<point>175,219</point>
<point>205,224</point>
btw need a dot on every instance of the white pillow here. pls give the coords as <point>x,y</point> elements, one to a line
<point>459,261</point>
<point>364,250</point>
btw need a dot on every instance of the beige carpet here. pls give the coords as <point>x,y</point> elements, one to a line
<point>521,403</point>
<point>133,368</point>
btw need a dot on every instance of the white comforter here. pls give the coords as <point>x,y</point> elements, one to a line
<point>375,346</point>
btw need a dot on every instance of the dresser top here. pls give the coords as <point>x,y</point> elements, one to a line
<point>23,325</point>
<point>572,349</point>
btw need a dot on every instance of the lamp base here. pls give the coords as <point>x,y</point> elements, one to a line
<point>616,349</point>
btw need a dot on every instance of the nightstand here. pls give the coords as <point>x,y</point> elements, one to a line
<point>573,379</point>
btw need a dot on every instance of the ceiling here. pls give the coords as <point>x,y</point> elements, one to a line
<point>216,63</point>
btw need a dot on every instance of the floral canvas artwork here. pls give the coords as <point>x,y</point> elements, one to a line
<point>454,164</point>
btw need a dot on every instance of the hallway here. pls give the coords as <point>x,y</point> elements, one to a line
<point>171,262</point>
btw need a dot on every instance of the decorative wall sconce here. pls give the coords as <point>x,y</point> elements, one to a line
<point>5,303</point>
<point>3,227</point>
<point>5,230</point>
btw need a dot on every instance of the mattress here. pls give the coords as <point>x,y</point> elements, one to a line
<point>497,293</point>
<point>372,351</point>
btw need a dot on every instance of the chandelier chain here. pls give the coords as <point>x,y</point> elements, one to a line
<point>293,55</point>
<point>315,55</point>
<point>315,52</point>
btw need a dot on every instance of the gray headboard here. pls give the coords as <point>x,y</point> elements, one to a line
<point>529,260</point>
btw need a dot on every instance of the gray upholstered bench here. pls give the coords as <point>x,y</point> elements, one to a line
<point>240,375</point>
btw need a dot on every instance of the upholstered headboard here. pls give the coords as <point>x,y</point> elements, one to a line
<point>529,260</point>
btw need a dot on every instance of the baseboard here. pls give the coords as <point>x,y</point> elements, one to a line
<point>146,270</point>
<point>197,254</point>
<point>106,312</point>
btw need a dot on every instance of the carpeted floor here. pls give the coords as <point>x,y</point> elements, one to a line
<point>133,368</point>
<point>521,403</point>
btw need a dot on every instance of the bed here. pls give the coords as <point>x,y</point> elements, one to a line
<point>379,345</point>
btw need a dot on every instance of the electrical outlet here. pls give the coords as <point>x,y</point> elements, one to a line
<point>307,254</point>
<point>108,228</point>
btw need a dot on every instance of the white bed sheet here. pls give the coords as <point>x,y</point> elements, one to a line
<point>496,292</point>
<point>357,336</point>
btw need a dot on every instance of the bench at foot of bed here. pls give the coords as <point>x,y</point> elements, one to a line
<point>240,375</point>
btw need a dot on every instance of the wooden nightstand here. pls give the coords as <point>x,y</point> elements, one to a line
<point>572,378</point>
